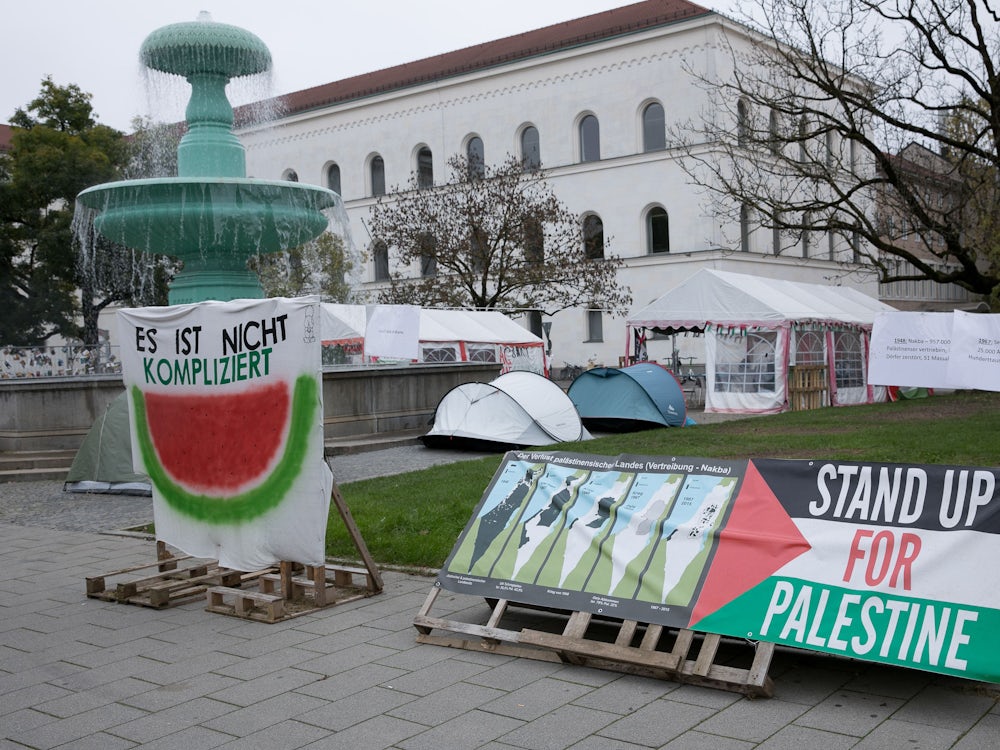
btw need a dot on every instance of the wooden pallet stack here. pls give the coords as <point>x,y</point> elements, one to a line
<point>285,590</point>
<point>178,578</point>
<point>621,645</point>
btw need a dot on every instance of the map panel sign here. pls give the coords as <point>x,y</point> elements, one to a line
<point>864,560</point>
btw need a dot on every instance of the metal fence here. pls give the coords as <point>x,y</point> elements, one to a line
<point>68,361</point>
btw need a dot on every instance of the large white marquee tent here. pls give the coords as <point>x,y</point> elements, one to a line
<point>445,335</point>
<point>757,329</point>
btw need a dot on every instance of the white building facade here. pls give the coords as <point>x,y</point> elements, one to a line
<point>627,71</point>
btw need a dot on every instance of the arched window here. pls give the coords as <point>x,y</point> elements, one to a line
<point>535,323</point>
<point>427,245</point>
<point>593,237</point>
<point>776,234</point>
<point>377,172</point>
<point>595,325</point>
<point>654,127</point>
<point>744,228</point>
<point>425,168</point>
<point>531,149</point>
<point>380,256</point>
<point>742,122</point>
<point>290,175</point>
<point>479,250</point>
<point>810,348</point>
<point>333,178</point>
<point>848,359</point>
<point>774,132</point>
<point>534,240</point>
<point>590,139</point>
<point>475,154</point>
<point>745,363</point>
<point>658,230</point>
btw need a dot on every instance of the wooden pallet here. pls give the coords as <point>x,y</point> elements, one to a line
<point>808,387</point>
<point>172,584</point>
<point>252,605</point>
<point>302,588</point>
<point>625,646</point>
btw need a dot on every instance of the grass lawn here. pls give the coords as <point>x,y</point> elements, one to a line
<point>414,519</point>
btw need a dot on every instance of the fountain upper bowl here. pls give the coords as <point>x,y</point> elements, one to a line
<point>199,47</point>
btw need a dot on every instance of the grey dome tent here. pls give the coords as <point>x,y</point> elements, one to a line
<point>639,397</point>
<point>104,461</point>
<point>516,410</point>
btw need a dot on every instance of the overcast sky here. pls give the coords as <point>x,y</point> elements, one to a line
<point>95,44</point>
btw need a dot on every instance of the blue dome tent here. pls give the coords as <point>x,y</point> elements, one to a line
<point>639,397</point>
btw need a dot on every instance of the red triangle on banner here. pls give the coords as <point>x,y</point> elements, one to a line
<point>758,539</point>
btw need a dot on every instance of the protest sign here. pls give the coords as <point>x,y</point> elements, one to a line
<point>393,332</point>
<point>936,350</point>
<point>910,349</point>
<point>975,358</point>
<point>852,558</point>
<point>226,413</point>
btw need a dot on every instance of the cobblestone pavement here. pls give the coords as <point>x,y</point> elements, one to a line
<point>83,673</point>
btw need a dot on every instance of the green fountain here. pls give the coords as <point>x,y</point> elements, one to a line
<point>211,216</point>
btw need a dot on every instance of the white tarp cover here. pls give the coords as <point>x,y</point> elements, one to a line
<point>227,422</point>
<point>447,336</point>
<point>748,323</point>
<point>515,409</point>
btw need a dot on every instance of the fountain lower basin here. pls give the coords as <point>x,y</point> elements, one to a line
<point>192,219</point>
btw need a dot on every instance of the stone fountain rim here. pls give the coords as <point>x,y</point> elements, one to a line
<point>201,182</point>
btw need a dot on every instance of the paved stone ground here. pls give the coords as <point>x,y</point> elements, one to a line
<point>82,673</point>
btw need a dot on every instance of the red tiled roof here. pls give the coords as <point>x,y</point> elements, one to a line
<point>586,30</point>
<point>6,133</point>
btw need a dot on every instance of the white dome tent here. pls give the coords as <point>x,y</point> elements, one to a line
<point>516,410</point>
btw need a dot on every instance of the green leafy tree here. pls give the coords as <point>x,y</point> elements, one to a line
<point>58,149</point>
<point>809,128</point>
<point>319,267</point>
<point>493,237</point>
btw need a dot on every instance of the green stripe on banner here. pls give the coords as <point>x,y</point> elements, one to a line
<point>944,637</point>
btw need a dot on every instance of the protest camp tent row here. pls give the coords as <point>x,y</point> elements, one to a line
<point>443,336</point>
<point>757,330</point>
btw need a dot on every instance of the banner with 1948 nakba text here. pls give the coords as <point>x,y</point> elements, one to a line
<point>861,559</point>
<point>226,416</point>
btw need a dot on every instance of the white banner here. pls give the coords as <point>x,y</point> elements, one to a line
<point>975,358</point>
<point>910,349</point>
<point>226,415</point>
<point>936,350</point>
<point>393,332</point>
